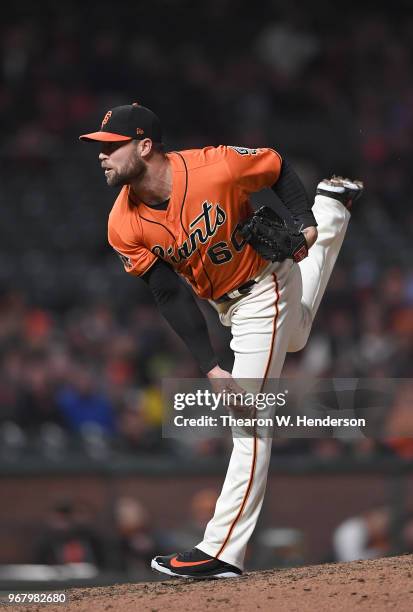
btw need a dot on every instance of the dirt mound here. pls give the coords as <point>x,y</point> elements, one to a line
<point>383,584</point>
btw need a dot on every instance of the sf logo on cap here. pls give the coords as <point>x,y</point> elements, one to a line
<point>106,118</point>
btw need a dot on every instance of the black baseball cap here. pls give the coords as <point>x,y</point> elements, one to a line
<point>129,122</point>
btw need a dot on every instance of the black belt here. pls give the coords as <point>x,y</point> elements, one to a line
<point>236,293</point>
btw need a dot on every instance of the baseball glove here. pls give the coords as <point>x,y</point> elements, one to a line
<point>271,237</point>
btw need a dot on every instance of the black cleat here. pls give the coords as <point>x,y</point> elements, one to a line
<point>342,189</point>
<point>194,564</point>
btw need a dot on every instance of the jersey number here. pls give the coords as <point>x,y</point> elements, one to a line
<point>220,252</point>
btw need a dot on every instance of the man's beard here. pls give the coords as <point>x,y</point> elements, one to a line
<point>135,171</point>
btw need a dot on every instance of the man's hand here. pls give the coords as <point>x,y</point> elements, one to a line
<point>223,382</point>
<point>310,235</point>
<point>218,372</point>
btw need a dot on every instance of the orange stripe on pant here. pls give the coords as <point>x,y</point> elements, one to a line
<point>254,456</point>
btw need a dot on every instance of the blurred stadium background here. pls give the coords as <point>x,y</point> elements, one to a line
<point>87,482</point>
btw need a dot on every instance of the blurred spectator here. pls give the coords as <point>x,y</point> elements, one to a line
<point>201,508</point>
<point>363,537</point>
<point>137,542</point>
<point>278,547</point>
<point>373,534</point>
<point>82,404</point>
<point>38,403</point>
<point>398,431</point>
<point>134,423</point>
<point>69,537</point>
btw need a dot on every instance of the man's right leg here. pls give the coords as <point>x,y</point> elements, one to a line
<point>332,217</point>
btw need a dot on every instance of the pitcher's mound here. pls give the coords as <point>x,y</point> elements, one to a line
<point>383,584</point>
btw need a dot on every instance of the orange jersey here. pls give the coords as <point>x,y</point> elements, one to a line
<point>198,234</point>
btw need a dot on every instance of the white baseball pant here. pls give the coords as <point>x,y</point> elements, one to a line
<point>275,318</point>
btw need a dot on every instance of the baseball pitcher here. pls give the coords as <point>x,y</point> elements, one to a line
<point>187,215</point>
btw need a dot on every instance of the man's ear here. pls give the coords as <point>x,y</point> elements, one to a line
<point>145,147</point>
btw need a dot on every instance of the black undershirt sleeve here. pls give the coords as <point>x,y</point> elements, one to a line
<point>177,304</point>
<point>291,192</point>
